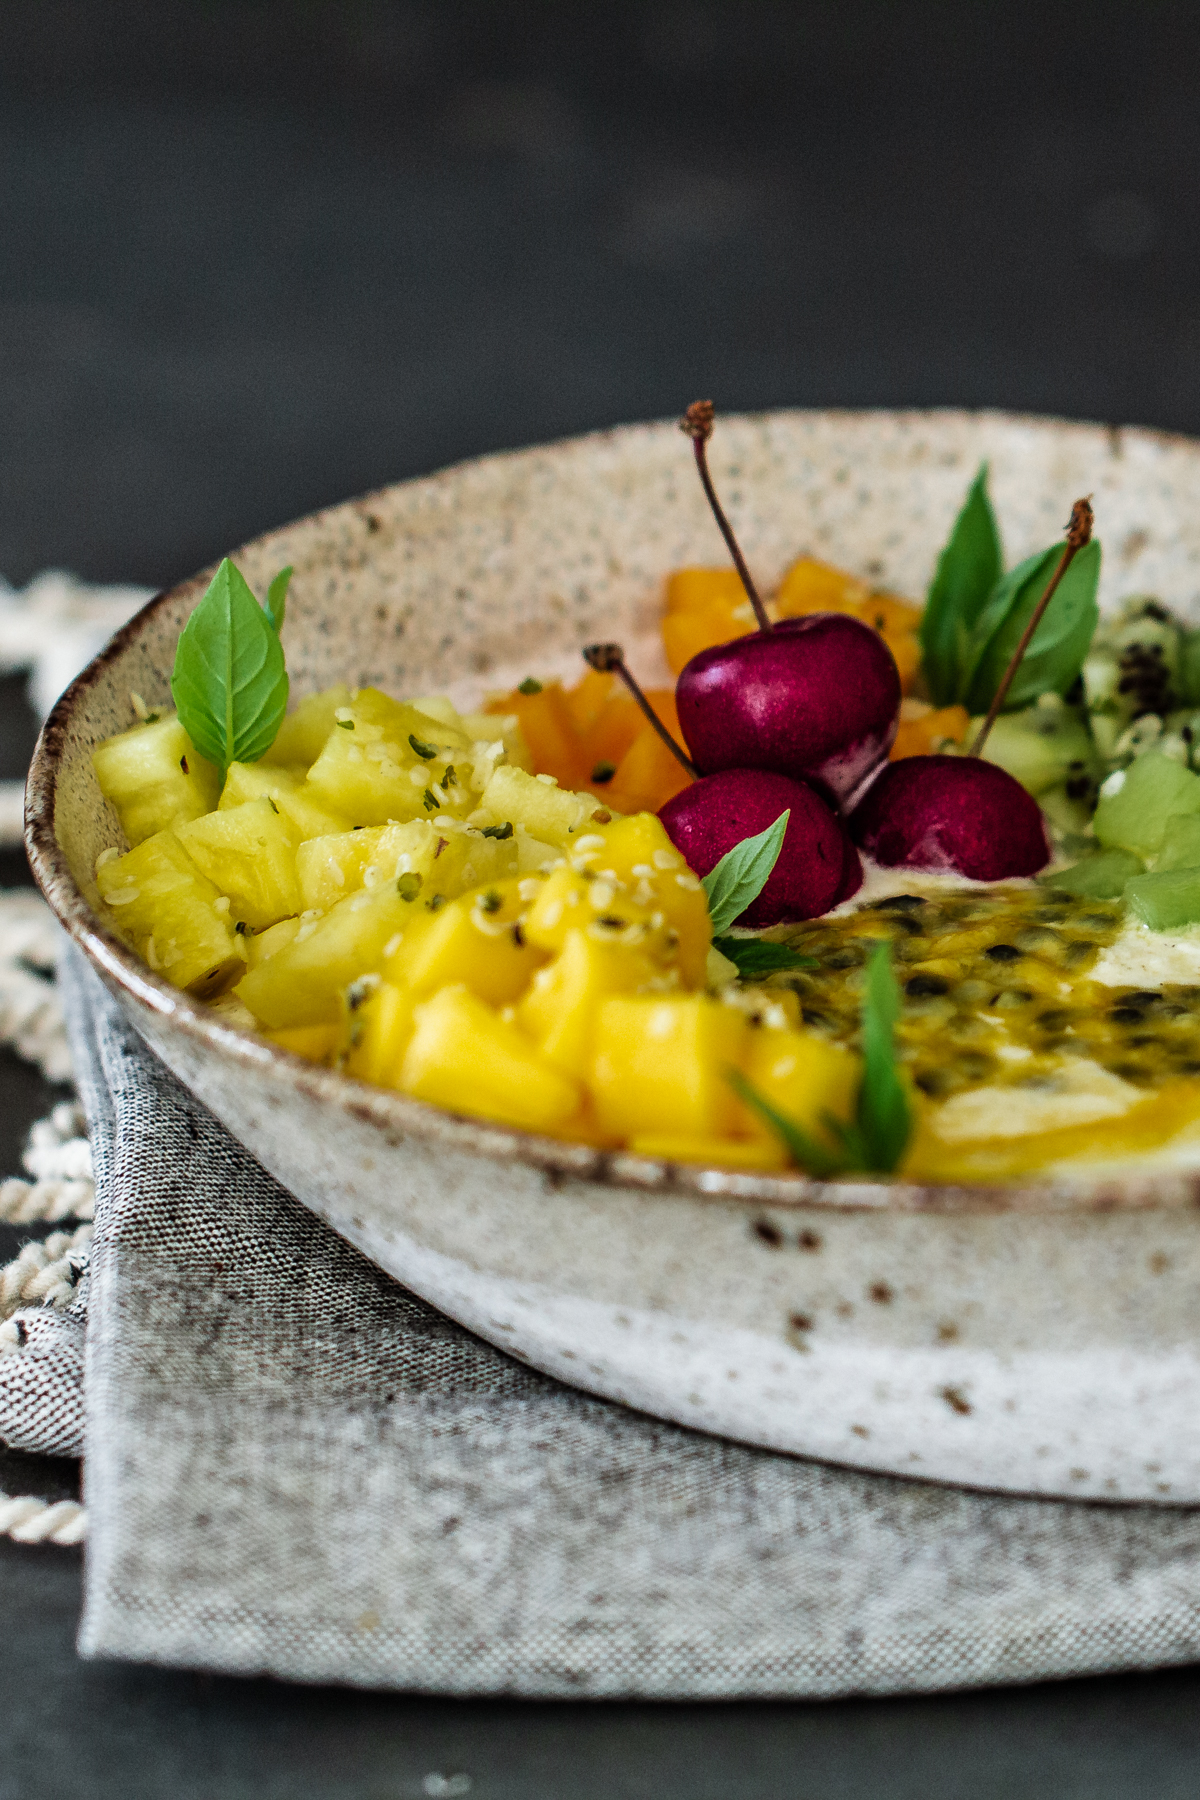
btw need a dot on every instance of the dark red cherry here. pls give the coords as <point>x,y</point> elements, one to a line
<point>817,698</point>
<point>952,813</point>
<point>817,865</point>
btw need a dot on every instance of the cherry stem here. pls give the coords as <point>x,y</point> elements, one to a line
<point>1079,533</point>
<point>609,659</point>
<point>697,422</point>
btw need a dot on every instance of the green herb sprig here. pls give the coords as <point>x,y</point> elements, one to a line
<point>229,682</point>
<point>967,571</point>
<point>882,1126</point>
<point>756,957</point>
<point>742,873</point>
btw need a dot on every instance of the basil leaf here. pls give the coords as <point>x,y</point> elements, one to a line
<point>1060,643</point>
<point>967,570</point>
<point>229,682</point>
<point>883,1116</point>
<point>742,873</point>
<point>754,957</point>
<point>277,595</point>
<point>808,1155</point>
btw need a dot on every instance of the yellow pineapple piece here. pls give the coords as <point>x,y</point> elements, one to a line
<point>303,983</point>
<point>286,787</point>
<point>250,854</point>
<point>301,738</point>
<point>172,915</point>
<point>475,940</point>
<point>637,852</point>
<point>441,859</point>
<point>379,1033</point>
<point>464,1057</point>
<point>385,762</point>
<point>154,778</point>
<point>727,1153</point>
<point>259,945</point>
<point>487,728</point>
<point>559,1010</point>
<point>661,1065</point>
<point>316,1043</point>
<point>549,813</point>
<point>802,1075</point>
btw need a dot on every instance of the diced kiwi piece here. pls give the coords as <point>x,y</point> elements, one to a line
<point>1136,803</point>
<point>1181,844</point>
<point>1040,745</point>
<point>1165,902</point>
<point>1100,877</point>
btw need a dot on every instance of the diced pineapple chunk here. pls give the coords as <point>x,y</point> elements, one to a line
<point>154,778</point>
<point>250,853</point>
<point>379,1033</point>
<point>802,1075</point>
<point>301,737</point>
<point>385,762</point>
<point>559,1011</point>
<point>547,812</point>
<point>303,983</point>
<point>287,788</point>
<point>503,727</point>
<point>441,859</point>
<point>172,915</point>
<point>261,944</point>
<point>464,1057</point>
<point>662,1066</point>
<point>476,941</point>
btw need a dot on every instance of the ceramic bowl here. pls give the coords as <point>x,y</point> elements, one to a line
<point>1039,1338</point>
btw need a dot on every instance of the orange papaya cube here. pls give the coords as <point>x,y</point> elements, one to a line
<point>586,699</point>
<point>811,586</point>
<point>685,634</point>
<point>647,776</point>
<point>544,716</point>
<point>924,729</point>
<point>695,589</point>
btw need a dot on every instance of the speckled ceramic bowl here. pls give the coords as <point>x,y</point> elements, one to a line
<point>1041,1338</point>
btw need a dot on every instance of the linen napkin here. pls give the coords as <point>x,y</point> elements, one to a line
<point>294,1466</point>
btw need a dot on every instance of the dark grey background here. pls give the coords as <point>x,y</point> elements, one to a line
<point>257,256</point>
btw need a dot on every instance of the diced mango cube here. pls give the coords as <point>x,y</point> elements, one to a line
<point>559,1010</point>
<point>154,778</point>
<point>462,1056</point>
<point>661,1065</point>
<point>379,1033</point>
<point>692,589</point>
<point>315,1043</point>
<point>637,852</point>
<point>303,983</point>
<point>569,900</point>
<point>802,1075</point>
<point>727,1153</point>
<point>301,737</point>
<point>250,853</point>
<point>475,940</point>
<point>172,915</point>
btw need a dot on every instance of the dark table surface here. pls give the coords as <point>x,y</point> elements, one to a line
<point>257,256</point>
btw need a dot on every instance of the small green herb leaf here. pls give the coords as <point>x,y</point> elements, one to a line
<point>530,685</point>
<point>498,831</point>
<point>604,771</point>
<point>426,751</point>
<point>883,1115</point>
<point>755,958</point>
<point>742,873</point>
<point>805,1152</point>
<point>229,683</point>
<point>431,800</point>
<point>277,595</point>
<point>967,571</point>
<point>1060,643</point>
<point>408,886</point>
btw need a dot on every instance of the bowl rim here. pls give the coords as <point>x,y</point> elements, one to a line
<point>558,1161</point>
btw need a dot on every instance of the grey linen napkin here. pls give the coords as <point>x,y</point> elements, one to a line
<point>294,1466</point>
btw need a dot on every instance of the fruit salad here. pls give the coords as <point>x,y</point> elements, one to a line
<point>879,886</point>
